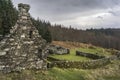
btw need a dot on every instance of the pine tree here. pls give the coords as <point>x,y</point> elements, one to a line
<point>42,27</point>
<point>47,36</point>
<point>8,16</point>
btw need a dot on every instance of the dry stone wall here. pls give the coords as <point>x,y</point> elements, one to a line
<point>92,64</point>
<point>89,55</point>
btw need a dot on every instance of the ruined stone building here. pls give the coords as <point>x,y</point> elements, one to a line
<point>24,48</point>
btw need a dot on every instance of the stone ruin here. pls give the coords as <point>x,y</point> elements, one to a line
<point>24,48</point>
<point>55,49</point>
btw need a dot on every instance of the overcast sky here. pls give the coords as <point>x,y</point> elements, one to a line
<point>79,14</point>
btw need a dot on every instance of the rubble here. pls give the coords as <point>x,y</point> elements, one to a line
<point>55,49</point>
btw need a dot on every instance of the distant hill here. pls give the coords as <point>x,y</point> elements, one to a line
<point>107,38</point>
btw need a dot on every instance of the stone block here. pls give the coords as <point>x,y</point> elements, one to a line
<point>3,53</point>
<point>7,49</point>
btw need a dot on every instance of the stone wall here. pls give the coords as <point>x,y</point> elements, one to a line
<point>89,55</point>
<point>92,64</point>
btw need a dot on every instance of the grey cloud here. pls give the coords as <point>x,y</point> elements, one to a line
<point>100,17</point>
<point>115,13</point>
<point>69,6</point>
<point>63,10</point>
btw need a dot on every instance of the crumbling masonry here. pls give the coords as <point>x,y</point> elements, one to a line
<point>24,48</point>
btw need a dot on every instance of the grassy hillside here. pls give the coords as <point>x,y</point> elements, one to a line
<point>107,38</point>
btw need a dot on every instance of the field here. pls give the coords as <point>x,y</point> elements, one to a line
<point>71,57</point>
<point>80,47</point>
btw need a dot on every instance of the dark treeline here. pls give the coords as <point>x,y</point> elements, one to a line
<point>8,16</point>
<point>108,38</point>
<point>42,27</point>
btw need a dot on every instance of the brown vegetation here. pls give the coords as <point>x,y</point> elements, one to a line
<point>72,45</point>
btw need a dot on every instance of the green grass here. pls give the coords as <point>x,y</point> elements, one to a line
<point>95,50</point>
<point>67,74</point>
<point>51,74</point>
<point>70,57</point>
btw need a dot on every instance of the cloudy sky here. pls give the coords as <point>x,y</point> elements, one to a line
<point>79,14</point>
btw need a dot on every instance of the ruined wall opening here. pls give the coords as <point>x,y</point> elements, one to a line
<point>40,53</point>
<point>30,34</point>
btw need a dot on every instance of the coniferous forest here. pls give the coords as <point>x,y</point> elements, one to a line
<point>8,16</point>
